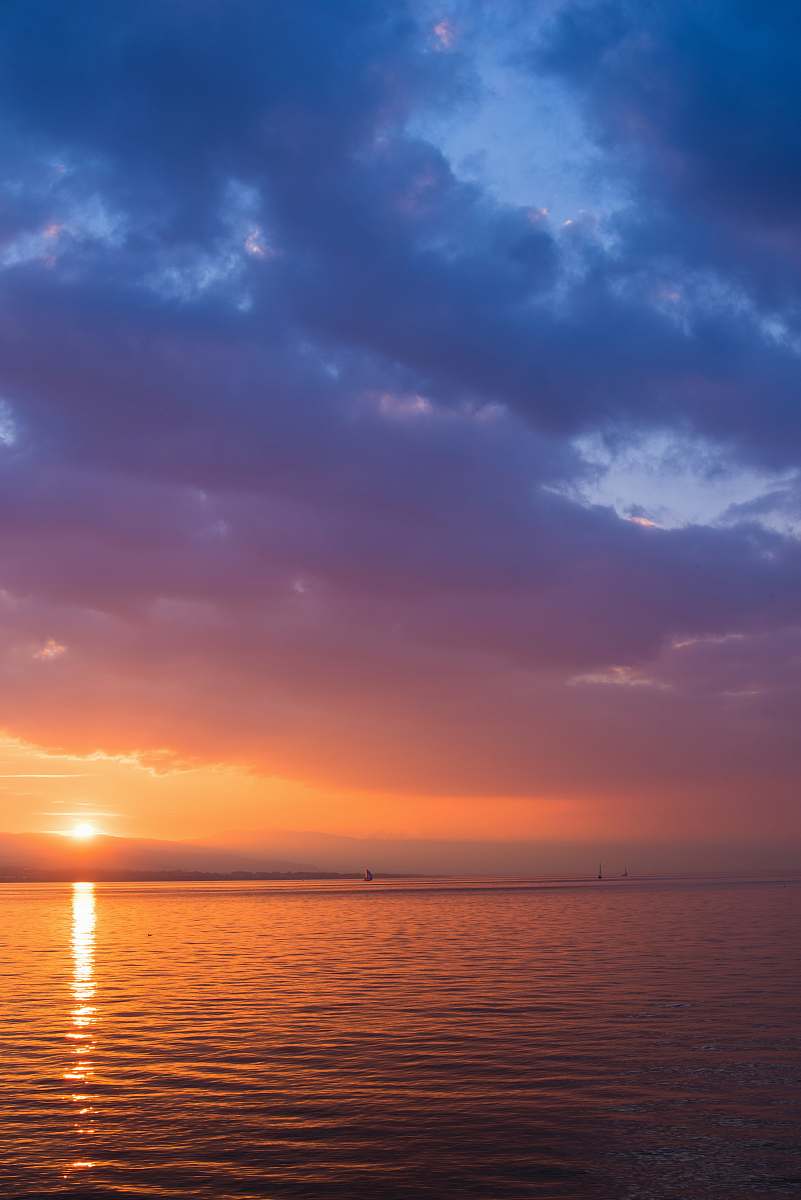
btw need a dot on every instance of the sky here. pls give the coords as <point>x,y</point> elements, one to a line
<point>399,423</point>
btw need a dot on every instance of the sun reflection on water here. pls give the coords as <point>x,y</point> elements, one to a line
<point>83,1016</point>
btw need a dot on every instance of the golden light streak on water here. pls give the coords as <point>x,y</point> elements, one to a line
<point>83,1016</point>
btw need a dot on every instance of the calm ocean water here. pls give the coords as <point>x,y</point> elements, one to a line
<point>621,1041</point>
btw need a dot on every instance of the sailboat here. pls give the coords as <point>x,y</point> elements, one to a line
<point>600,870</point>
<point>625,874</point>
<point>368,875</point>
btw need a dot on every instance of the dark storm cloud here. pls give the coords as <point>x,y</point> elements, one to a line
<point>290,408</point>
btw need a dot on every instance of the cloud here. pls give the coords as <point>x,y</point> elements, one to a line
<point>294,451</point>
<point>50,650</point>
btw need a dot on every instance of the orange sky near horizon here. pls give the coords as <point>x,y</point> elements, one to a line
<point>124,795</point>
<point>129,796</point>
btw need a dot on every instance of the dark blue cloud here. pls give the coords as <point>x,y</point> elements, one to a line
<point>378,247</point>
<point>700,100</point>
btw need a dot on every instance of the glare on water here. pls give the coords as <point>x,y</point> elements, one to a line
<point>408,1041</point>
<point>83,1016</point>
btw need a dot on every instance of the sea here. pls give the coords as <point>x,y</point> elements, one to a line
<point>637,1039</point>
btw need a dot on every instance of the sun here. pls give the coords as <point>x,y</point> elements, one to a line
<point>82,831</point>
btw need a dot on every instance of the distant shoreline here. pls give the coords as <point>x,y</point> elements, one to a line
<point>133,876</point>
<point>790,874</point>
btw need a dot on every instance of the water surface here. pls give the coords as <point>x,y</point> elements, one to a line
<point>401,1040</point>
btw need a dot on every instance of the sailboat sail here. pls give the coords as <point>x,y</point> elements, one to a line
<point>368,875</point>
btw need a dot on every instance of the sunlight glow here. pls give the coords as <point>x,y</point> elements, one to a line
<point>82,831</point>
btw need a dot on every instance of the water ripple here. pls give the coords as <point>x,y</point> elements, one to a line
<point>405,1041</point>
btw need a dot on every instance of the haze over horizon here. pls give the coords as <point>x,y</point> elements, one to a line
<point>399,430</point>
<point>43,856</point>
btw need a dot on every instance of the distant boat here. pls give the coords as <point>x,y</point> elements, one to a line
<point>600,870</point>
<point>368,875</point>
<point>625,874</point>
